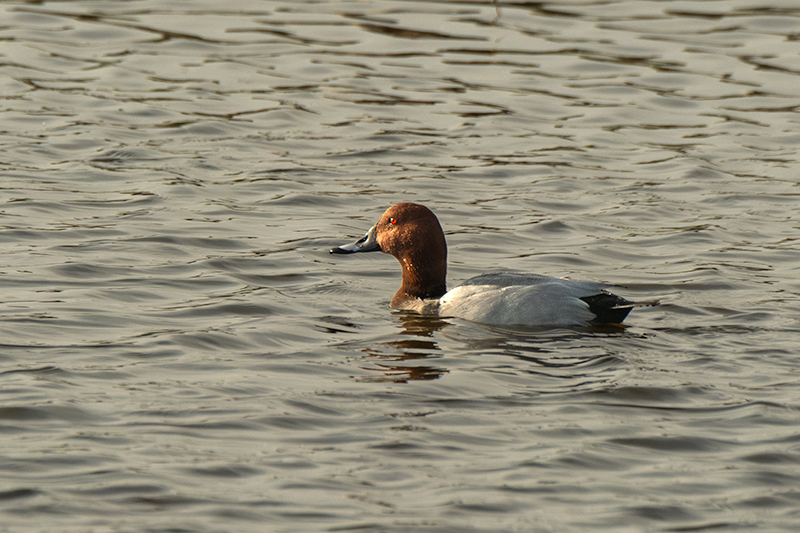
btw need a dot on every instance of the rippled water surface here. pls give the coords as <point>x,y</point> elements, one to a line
<point>179,352</point>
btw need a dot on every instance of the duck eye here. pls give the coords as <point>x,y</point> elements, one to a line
<point>392,220</point>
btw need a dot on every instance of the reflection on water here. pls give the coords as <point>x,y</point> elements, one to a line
<point>180,353</point>
<point>535,351</point>
<point>390,358</point>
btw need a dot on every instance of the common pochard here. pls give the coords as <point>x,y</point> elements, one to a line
<point>412,234</point>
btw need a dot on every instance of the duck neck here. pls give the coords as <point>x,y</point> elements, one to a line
<point>424,277</point>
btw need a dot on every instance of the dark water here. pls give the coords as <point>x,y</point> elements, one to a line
<point>180,353</point>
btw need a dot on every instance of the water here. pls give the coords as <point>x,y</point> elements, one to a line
<point>180,353</point>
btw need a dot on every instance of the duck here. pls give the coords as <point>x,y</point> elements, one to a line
<point>413,235</point>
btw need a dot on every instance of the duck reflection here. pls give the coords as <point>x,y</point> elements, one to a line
<point>547,352</point>
<point>421,346</point>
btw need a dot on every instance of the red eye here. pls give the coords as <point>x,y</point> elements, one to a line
<point>392,220</point>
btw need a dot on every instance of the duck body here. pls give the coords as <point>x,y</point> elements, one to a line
<point>530,300</point>
<point>413,235</point>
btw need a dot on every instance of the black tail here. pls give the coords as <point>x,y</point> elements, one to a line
<point>610,308</point>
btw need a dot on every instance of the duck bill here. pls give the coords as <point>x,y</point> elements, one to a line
<point>367,243</point>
